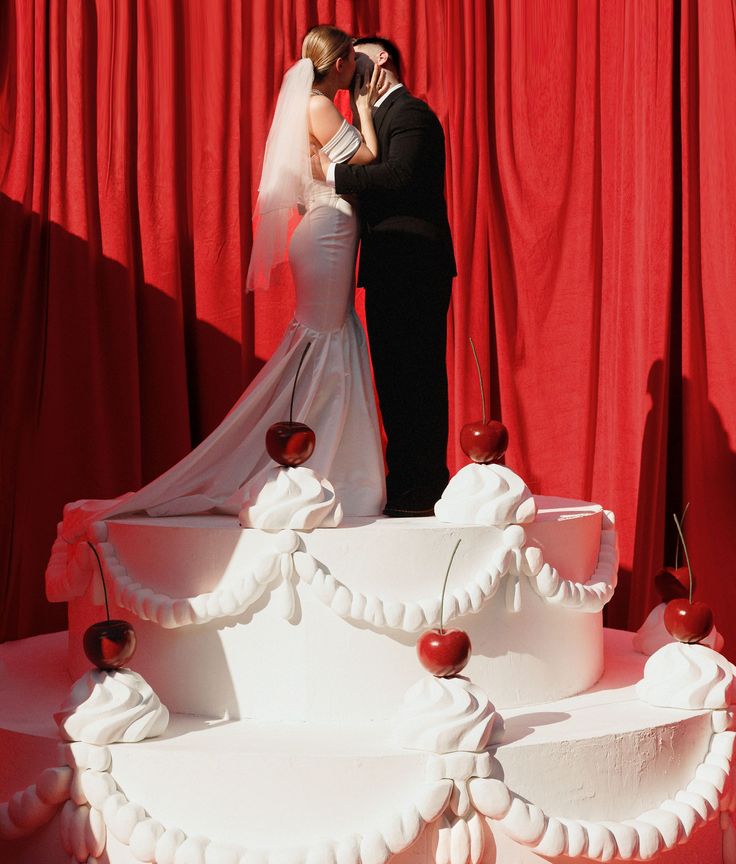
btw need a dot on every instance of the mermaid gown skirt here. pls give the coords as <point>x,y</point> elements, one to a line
<point>334,395</point>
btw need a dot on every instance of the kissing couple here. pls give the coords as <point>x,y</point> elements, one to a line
<point>379,180</point>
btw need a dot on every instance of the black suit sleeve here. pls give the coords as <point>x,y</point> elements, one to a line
<point>402,159</point>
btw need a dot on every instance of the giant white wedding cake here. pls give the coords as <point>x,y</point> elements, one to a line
<point>275,711</point>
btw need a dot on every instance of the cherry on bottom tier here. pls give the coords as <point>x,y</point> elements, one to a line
<point>600,774</point>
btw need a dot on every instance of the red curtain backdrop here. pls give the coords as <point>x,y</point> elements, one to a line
<point>592,197</point>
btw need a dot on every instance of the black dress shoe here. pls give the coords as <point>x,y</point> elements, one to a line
<point>415,502</point>
<point>403,513</point>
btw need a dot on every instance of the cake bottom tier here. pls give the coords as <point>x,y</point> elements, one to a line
<point>566,776</point>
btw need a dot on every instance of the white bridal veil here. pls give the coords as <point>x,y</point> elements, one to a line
<point>285,176</point>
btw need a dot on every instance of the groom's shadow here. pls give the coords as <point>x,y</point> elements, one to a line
<point>686,457</point>
<point>706,470</point>
<point>635,594</point>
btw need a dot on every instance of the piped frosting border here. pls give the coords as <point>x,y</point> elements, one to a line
<point>289,562</point>
<point>458,797</point>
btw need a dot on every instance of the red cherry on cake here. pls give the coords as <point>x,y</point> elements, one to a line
<point>672,582</point>
<point>290,443</point>
<point>686,621</point>
<point>444,653</point>
<point>110,644</point>
<point>483,441</point>
<point>287,442</point>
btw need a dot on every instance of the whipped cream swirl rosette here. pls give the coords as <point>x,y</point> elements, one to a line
<point>295,498</point>
<point>679,675</point>
<point>441,715</point>
<point>111,707</point>
<point>653,635</point>
<point>486,495</point>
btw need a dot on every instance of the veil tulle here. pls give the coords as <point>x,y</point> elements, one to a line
<point>285,176</point>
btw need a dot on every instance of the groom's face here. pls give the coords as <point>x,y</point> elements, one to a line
<point>363,65</point>
<point>371,53</point>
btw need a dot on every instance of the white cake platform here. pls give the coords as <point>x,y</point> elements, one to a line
<point>304,625</point>
<point>298,793</point>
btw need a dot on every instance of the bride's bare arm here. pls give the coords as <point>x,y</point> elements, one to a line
<point>325,122</point>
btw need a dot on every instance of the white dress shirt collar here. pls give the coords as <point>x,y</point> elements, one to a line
<point>385,96</point>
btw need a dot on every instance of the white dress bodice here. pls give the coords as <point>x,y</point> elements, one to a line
<point>323,247</point>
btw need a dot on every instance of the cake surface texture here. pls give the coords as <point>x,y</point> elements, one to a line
<point>276,712</point>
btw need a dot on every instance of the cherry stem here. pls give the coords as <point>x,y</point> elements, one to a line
<point>677,547</point>
<point>480,379</point>
<point>102,577</point>
<point>296,378</point>
<point>687,557</point>
<point>444,585</point>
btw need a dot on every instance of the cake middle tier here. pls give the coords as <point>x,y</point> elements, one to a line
<point>322,625</point>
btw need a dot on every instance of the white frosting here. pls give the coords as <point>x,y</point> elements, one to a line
<point>566,786</point>
<point>652,634</point>
<point>372,572</point>
<point>442,715</point>
<point>109,707</point>
<point>679,675</point>
<point>486,495</point>
<point>295,498</point>
<point>32,807</point>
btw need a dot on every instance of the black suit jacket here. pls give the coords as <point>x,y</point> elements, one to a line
<point>401,196</point>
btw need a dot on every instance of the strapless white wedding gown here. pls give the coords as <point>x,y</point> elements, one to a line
<point>334,394</point>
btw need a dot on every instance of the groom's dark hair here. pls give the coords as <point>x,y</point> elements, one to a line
<point>387,45</point>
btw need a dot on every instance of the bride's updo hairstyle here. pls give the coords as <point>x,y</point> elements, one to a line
<point>323,45</point>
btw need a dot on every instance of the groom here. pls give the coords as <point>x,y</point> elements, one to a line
<point>406,266</point>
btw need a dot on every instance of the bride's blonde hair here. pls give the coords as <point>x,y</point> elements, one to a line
<point>323,45</point>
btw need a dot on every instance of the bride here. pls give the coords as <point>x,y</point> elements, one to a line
<point>334,395</point>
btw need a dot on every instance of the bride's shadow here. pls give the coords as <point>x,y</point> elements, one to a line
<point>94,417</point>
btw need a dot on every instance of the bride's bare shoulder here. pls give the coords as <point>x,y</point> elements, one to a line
<point>324,118</point>
<point>320,105</point>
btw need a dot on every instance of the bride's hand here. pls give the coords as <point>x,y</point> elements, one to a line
<point>369,90</point>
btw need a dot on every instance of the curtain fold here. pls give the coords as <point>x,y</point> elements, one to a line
<point>591,196</point>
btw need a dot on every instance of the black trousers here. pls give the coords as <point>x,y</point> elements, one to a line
<point>407,330</point>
